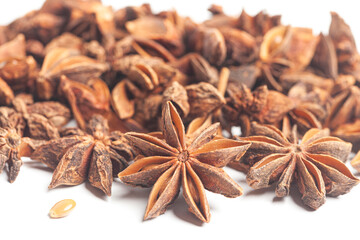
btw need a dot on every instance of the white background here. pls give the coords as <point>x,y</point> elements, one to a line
<point>24,205</point>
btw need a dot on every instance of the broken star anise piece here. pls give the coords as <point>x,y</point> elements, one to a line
<point>315,164</point>
<point>177,161</point>
<point>95,157</point>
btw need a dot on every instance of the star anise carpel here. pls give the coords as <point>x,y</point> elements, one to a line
<point>177,161</point>
<point>315,164</point>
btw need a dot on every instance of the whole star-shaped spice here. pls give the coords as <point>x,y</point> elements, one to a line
<point>315,164</point>
<point>95,156</point>
<point>192,162</point>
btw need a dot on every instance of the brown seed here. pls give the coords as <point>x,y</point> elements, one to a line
<point>62,208</point>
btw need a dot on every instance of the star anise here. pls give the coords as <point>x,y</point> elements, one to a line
<point>9,152</point>
<point>210,43</point>
<point>180,161</point>
<point>139,95</point>
<point>355,162</point>
<point>259,24</point>
<point>344,43</point>
<point>17,72</point>
<point>40,120</point>
<point>68,62</point>
<point>310,108</point>
<point>91,20</point>
<point>349,132</point>
<point>263,105</point>
<point>6,93</point>
<point>95,156</point>
<point>150,81</point>
<point>93,98</point>
<point>315,164</point>
<point>14,49</point>
<point>285,48</point>
<point>91,49</point>
<point>166,29</point>
<point>41,24</point>
<point>344,108</point>
<point>144,47</point>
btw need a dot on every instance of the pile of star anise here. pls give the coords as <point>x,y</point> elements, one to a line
<point>155,97</point>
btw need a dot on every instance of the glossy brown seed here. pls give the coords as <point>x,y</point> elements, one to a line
<point>62,208</point>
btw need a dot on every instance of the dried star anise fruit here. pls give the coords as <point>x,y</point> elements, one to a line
<point>263,105</point>
<point>68,62</point>
<point>91,20</point>
<point>349,132</point>
<point>9,152</point>
<point>179,161</point>
<point>6,93</point>
<point>93,98</point>
<point>96,156</point>
<point>315,164</point>
<point>285,48</point>
<point>40,120</point>
<point>310,108</point>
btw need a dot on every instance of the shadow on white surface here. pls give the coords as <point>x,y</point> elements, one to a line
<point>96,192</point>
<point>180,210</point>
<point>38,166</point>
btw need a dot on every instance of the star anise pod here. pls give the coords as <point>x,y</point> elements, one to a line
<point>355,162</point>
<point>325,61</point>
<point>14,49</point>
<point>6,93</point>
<point>130,45</point>
<point>344,43</point>
<point>141,94</point>
<point>96,156</point>
<point>241,47</point>
<point>178,161</point>
<point>263,105</point>
<point>122,15</point>
<point>162,29</point>
<point>17,71</point>
<point>310,108</point>
<point>91,20</point>
<point>41,25</point>
<point>9,152</point>
<point>315,164</point>
<point>68,62</point>
<point>20,74</point>
<point>344,108</point>
<point>259,24</point>
<point>349,132</point>
<point>285,48</point>
<point>210,43</point>
<point>92,49</point>
<point>40,120</point>
<point>93,98</point>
